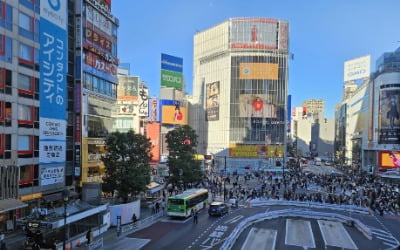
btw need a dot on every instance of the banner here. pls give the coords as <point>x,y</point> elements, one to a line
<point>171,79</point>
<point>153,133</point>
<point>389,117</point>
<point>53,70</point>
<point>143,102</point>
<point>262,71</point>
<point>51,175</point>
<point>154,112</point>
<point>357,68</point>
<point>259,105</point>
<point>212,101</point>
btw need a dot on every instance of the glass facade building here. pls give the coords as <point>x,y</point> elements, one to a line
<point>240,92</point>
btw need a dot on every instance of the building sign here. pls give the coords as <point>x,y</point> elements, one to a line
<point>283,35</point>
<point>258,71</point>
<point>103,55</point>
<point>51,175</point>
<point>53,59</point>
<point>153,133</point>
<point>357,68</point>
<point>154,112</point>
<point>171,63</point>
<point>127,88</point>
<point>99,20</point>
<point>212,101</point>
<point>242,150</point>
<point>275,151</point>
<point>389,117</point>
<point>98,63</point>
<point>171,79</point>
<point>98,39</point>
<point>143,102</point>
<point>288,110</point>
<point>254,33</point>
<point>257,106</point>
<point>389,159</point>
<point>173,112</point>
<point>104,6</point>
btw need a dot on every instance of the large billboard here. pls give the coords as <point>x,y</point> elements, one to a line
<point>389,159</point>
<point>259,33</point>
<point>257,105</point>
<point>153,133</point>
<point>267,71</point>
<point>212,101</point>
<point>389,117</point>
<point>173,112</point>
<point>127,88</point>
<point>357,68</point>
<point>53,59</point>
<point>171,79</point>
<point>171,71</point>
<point>251,151</point>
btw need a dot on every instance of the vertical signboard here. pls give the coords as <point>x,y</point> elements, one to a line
<point>154,112</point>
<point>171,71</point>
<point>153,133</point>
<point>143,102</point>
<point>212,101</point>
<point>389,117</point>
<point>53,60</point>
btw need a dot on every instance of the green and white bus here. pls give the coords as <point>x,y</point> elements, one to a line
<point>181,205</point>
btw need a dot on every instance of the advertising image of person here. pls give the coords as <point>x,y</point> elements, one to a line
<point>257,107</point>
<point>393,113</point>
<point>395,160</point>
<point>178,116</point>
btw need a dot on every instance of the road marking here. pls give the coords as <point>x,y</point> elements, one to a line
<point>299,233</point>
<point>260,238</point>
<point>387,240</point>
<point>234,219</point>
<point>334,234</point>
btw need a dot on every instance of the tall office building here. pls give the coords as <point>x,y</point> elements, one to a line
<point>240,92</point>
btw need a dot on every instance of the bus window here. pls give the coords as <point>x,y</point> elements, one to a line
<point>175,202</point>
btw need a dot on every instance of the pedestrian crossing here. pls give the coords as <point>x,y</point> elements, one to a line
<point>386,237</point>
<point>299,232</point>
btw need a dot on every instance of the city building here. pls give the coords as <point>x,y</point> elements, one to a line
<point>240,91</point>
<point>314,106</point>
<point>367,126</point>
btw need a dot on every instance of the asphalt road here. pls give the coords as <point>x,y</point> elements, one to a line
<point>210,233</point>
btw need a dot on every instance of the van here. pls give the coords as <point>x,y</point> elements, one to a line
<point>317,161</point>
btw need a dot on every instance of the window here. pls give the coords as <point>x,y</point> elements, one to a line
<point>5,81</point>
<point>26,52</point>
<point>2,44</point>
<point>24,82</point>
<point>25,22</point>
<point>26,174</point>
<point>25,113</point>
<point>5,113</point>
<point>5,146</point>
<point>24,144</point>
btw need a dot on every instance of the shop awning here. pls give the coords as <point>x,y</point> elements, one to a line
<point>57,196</point>
<point>154,187</point>
<point>11,204</point>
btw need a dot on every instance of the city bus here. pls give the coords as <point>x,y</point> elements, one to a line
<point>181,205</point>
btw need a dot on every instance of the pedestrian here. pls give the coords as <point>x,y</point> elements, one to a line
<point>89,236</point>
<point>195,216</point>
<point>134,219</point>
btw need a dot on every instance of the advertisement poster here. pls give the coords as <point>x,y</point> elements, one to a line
<point>212,101</point>
<point>154,113</point>
<point>51,175</point>
<point>171,79</point>
<point>389,117</point>
<point>357,68</point>
<point>389,159</point>
<point>256,105</point>
<point>258,71</point>
<point>254,33</point>
<point>153,133</point>
<point>173,112</point>
<point>275,151</point>
<point>242,150</point>
<point>128,88</point>
<point>53,70</point>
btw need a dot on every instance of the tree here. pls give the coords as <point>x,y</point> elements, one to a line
<point>182,142</point>
<point>127,164</point>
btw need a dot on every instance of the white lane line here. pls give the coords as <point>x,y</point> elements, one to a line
<point>334,234</point>
<point>388,240</point>
<point>299,233</point>
<point>260,238</point>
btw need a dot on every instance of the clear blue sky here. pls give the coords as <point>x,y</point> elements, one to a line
<point>323,34</point>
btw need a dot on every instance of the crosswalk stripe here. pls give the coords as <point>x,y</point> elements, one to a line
<point>388,240</point>
<point>390,245</point>
<point>386,234</point>
<point>379,230</point>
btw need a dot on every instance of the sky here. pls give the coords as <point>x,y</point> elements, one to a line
<point>323,34</point>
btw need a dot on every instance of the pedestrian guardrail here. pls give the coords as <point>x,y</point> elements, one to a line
<point>96,244</point>
<point>346,208</point>
<point>230,240</point>
<point>132,227</point>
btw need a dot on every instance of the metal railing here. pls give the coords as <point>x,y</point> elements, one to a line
<point>132,227</point>
<point>96,244</point>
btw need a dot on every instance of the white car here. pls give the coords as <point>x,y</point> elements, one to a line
<point>328,163</point>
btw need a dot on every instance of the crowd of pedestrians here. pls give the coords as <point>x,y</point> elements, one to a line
<point>364,191</point>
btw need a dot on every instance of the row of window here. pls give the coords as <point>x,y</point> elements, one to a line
<point>28,86</point>
<point>99,85</point>
<point>27,146</point>
<point>28,116</point>
<point>28,56</point>
<point>5,16</point>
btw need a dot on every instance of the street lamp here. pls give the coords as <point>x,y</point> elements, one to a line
<point>65,198</point>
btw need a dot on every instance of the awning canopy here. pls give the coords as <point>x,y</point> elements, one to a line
<point>154,187</point>
<point>11,204</point>
<point>58,196</point>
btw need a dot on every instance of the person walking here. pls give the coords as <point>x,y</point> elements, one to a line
<point>195,215</point>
